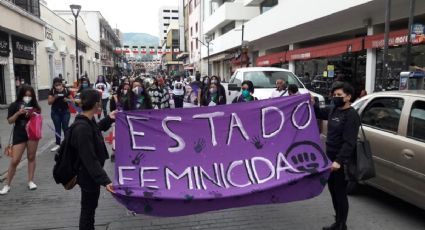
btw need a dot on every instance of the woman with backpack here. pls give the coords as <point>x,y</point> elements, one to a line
<point>87,141</point>
<point>59,96</point>
<point>19,114</point>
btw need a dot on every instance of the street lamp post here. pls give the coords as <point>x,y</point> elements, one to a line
<point>75,9</point>
<point>208,41</point>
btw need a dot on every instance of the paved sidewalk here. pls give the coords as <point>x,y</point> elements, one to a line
<point>45,143</point>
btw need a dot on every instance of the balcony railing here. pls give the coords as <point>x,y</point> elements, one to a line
<point>31,6</point>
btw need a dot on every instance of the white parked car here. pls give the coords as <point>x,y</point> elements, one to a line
<point>264,80</point>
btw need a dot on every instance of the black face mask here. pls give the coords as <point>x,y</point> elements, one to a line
<point>338,101</point>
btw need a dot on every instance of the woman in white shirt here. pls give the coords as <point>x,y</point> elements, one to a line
<point>104,87</point>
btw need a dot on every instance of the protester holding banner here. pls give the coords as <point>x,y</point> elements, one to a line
<point>141,97</point>
<point>247,93</point>
<point>19,114</point>
<point>205,86</point>
<point>104,87</point>
<point>343,128</point>
<point>88,143</point>
<point>58,98</point>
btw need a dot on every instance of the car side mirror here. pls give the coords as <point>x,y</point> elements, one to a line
<point>233,87</point>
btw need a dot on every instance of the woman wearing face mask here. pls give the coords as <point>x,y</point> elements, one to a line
<point>141,96</point>
<point>343,128</point>
<point>122,100</point>
<point>247,92</point>
<point>213,97</point>
<point>206,81</point>
<point>58,98</point>
<point>159,95</point>
<point>83,84</point>
<point>19,113</point>
<point>102,86</point>
<point>220,89</point>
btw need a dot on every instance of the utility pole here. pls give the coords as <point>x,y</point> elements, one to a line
<point>409,35</point>
<point>243,31</point>
<point>384,77</point>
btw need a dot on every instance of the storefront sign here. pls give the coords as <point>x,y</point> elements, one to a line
<point>396,38</point>
<point>328,50</point>
<point>23,48</point>
<point>418,29</point>
<point>263,152</point>
<point>4,44</point>
<point>331,71</point>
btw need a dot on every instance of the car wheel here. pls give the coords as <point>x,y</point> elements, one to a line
<point>352,187</point>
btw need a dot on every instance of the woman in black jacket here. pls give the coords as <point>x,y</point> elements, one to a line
<point>88,143</point>
<point>343,128</point>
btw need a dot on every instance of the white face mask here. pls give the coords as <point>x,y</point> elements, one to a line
<point>27,99</point>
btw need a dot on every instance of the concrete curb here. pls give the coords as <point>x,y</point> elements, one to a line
<point>41,150</point>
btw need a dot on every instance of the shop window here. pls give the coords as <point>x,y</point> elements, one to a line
<point>417,121</point>
<point>383,114</point>
<point>268,5</point>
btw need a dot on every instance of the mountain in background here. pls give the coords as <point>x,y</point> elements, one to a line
<point>139,39</point>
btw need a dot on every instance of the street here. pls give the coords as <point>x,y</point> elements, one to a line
<point>51,207</point>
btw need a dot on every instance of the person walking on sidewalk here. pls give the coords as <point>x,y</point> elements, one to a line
<point>343,128</point>
<point>58,99</point>
<point>19,114</point>
<point>89,144</point>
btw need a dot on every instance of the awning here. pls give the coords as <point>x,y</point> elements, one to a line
<point>182,55</point>
<point>396,38</point>
<point>270,59</point>
<point>328,50</point>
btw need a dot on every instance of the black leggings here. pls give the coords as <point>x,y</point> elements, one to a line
<point>89,201</point>
<point>338,189</point>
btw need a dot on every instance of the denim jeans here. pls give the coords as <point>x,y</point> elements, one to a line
<point>89,202</point>
<point>61,121</point>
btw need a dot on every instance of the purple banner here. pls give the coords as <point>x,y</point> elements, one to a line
<point>177,162</point>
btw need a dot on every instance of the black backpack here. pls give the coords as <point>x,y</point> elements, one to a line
<point>67,161</point>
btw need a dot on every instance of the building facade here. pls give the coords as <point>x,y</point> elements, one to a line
<point>101,32</point>
<point>56,53</point>
<point>342,41</point>
<point>19,35</point>
<point>166,15</point>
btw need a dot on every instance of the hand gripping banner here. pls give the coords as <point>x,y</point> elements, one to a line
<point>177,162</point>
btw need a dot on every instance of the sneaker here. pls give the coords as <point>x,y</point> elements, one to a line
<point>54,149</point>
<point>32,186</point>
<point>5,190</point>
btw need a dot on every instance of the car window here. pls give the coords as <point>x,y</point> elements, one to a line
<point>383,113</point>
<point>416,128</point>
<point>267,79</point>
<point>359,104</point>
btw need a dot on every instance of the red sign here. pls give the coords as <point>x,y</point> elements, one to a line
<point>268,60</point>
<point>396,38</point>
<point>328,50</point>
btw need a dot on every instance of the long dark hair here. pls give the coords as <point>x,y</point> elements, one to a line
<point>55,81</point>
<point>81,83</point>
<point>21,94</point>
<point>148,101</point>
<point>130,96</point>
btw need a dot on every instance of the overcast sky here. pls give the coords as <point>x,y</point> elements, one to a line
<point>128,15</point>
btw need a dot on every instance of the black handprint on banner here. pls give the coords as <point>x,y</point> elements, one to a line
<point>128,191</point>
<point>199,145</point>
<point>138,158</point>
<point>257,143</point>
<point>305,162</point>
